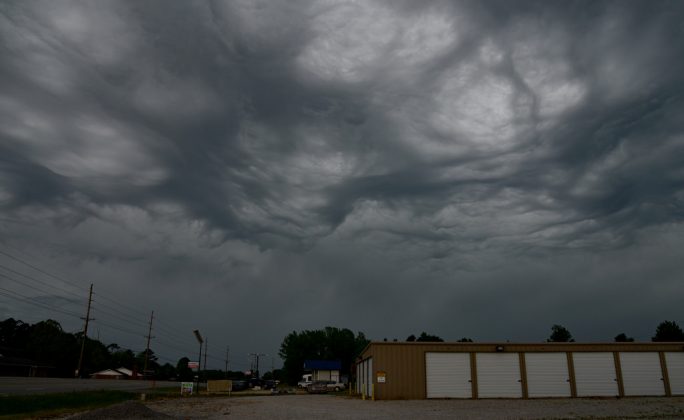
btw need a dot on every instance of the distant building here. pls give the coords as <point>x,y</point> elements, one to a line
<point>120,373</point>
<point>323,370</point>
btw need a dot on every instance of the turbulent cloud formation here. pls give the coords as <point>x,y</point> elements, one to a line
<point>483,169</point>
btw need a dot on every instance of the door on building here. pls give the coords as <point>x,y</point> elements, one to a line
<point>547,375</point>
<point>448,375</point>
<point>642,374</point>
<point>498,375</point>
<point>595,374</point>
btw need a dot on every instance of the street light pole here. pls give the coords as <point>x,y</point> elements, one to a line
<point>198,336</point>
<point>256,359</point>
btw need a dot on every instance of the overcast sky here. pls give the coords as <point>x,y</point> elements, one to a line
<point>250,168</point>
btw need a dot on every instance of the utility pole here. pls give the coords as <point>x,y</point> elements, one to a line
<point>227,359</point>
<point>206,350</point>
<point>147,350</point>
<point>85,333</point>
<point>256,359</point>
<point>200,340</point>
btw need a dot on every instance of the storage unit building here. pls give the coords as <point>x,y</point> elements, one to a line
<point>417,370</point>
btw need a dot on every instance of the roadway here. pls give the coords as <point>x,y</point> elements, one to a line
<point>26,386</point>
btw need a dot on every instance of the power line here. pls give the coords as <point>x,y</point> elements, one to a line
<point>129,320</point>
<point>123,316</point>
<point>39,269</point>
<point>47,293</point>
<point>127,307</point>
<point>28,299</point>
<point>4,267</point>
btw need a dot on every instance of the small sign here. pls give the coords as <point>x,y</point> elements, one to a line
<point>381,375</point>
<point>186,388</point>
<point>193,365</point>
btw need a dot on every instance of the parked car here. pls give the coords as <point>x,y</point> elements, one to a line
<point>256,383</point>
<point>239,385</point>
<point>335,386</point>
<point>269,384</point>
<point>318,387</point>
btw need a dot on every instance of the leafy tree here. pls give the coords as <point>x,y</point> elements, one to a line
<point>465,340</point>
<point>49,344</point>
<point>560,334</point>
<point>152,364</point>
<point>46,343</point>
<point>183,372</point>
<point>121,358</point>
<point>429,338</point>
<point>329,343</point>
<point>13,335</point>
<point>96,357</point>
<point>668,331</point>
<point>275,374</point>
<point>166,372</point>
<point>411,338</point>
<point>622,338</point>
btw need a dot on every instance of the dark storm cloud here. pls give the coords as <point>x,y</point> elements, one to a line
<point>441,155</point>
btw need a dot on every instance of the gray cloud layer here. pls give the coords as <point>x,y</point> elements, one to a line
<point>468,168</point>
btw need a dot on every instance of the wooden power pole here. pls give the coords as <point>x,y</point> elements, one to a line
<point>147,349</point>
<point>85,333</point>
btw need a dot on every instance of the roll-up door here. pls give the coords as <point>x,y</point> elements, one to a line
<point>448,375</point>
<point>547,375</point>
<point>641,373</point>
<point>498,375</point>
<point>675,372</point>
<point>595,374</point>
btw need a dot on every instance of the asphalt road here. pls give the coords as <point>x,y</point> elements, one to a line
<point>27,386</point>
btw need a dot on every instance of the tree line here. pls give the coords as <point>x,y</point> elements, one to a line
<point>45,343</point>
<point>666,331</point>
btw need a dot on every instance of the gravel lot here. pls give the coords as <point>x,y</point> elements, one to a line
<point>336,407</point>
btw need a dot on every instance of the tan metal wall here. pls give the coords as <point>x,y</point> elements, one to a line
<point>404,363</point>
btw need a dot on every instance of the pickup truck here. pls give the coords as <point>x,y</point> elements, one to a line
<point>306,381</point>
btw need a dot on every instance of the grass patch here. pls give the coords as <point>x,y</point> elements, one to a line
<point>46,404</point>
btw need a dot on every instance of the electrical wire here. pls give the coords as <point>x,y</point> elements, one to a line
<point>79,287</point>
<point>4,267</point>
<point>27,299</point>
<point>161,327</point>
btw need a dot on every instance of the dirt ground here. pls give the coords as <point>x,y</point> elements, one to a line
<point>337,407</point>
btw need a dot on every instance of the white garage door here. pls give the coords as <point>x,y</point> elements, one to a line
<point>547,375</point>
<point>498,375</point>
<point>448,375</point>
<point>595,374</point>
<point>642,374</point>
<point>675,371</point>
<point>364,378</point>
